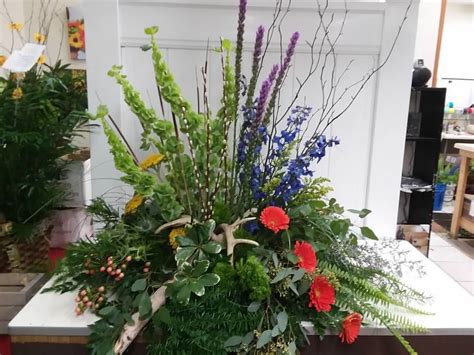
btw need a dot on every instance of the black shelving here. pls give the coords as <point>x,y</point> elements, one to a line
<point>421,154</point>
<point>422,139</point>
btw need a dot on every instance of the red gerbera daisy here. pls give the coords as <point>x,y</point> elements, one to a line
<point>350,328</point>
<point>274,218</point>
<point>321,294</point>
<point>306,256</point>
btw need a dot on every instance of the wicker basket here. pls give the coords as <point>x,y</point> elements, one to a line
<point>31,256</point>
<point>5,229</point>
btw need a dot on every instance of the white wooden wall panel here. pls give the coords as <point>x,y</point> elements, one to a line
<point>366,147</point>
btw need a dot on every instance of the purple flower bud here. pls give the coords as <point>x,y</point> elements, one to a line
<point>258,43</point>
<point>264,91</point>
<point>242,11</point>
<point>290,52</point>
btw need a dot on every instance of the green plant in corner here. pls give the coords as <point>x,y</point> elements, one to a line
<point>42,111</point>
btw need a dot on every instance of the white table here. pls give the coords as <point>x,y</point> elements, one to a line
<point>53,314</point>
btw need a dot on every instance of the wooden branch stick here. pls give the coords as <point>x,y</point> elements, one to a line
<point>130,332</point>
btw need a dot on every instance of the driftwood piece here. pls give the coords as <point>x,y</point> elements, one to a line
<point>130,332</point>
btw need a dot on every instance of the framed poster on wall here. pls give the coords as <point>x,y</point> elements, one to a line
<point>76,35</point>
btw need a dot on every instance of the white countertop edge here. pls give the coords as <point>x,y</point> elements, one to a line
<point>52,314</point>
<point>365,331</point>
<point>51,331</point>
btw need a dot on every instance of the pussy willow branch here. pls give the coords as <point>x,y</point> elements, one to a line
<point>224,150</point>
<point>207,112</point>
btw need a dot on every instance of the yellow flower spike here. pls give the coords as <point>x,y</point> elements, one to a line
<point>175,233</point>
<point>17,94</point>
<point>3,59</point>
<point>42,59</point>
<point>133,204</point>
<point>15,26</point>
<point>39,38</point>
<point>151,161</point>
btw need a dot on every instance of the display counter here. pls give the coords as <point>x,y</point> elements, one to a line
<point>48,324</point>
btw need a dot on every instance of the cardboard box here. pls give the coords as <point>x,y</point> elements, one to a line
<point>417,235</point>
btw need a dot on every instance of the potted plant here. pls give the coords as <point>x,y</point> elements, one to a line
<point>445,184</point>
<point>41,111</point>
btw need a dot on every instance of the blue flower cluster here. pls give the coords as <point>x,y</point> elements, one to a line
<point>257,175</point>
<point>294,122</point>
<point>292,181</point>
<point>252,137</point>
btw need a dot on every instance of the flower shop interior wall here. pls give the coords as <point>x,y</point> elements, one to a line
<point>365,168</point>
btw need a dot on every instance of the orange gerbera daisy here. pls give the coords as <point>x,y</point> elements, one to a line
<point>306,256</point>
<point>274,218</point>
<point>350,328</point>
<point>321,294</point>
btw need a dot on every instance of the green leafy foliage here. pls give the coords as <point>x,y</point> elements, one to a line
<point>205,325</point>
<point>41,123</point>
<point>253,277</point>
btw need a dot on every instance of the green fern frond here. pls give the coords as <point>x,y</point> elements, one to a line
<point>368,291</point>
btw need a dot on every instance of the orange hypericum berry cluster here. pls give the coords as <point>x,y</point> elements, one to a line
<point>88,267</point>
<point>88,298</point>
<point>116,268</point>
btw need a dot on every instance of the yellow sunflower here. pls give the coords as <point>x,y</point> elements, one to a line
<point>75,40</point>
<point>17,94</point>
<point>151,161</point>
<point>133,204</point>
<point>3,59</point>
<point>15,26</point>
<point>39,38</point>
<point>42,59</point>
<point>175,233</point>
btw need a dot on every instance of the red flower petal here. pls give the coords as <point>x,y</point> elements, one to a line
<point>274,218</point>
<point>306,255</point>
<point>350,328</point>
<point>321,294</point>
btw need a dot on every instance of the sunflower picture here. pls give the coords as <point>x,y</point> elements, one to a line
<point>76,34</point>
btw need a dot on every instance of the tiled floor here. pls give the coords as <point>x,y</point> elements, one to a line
<point>456,263</point>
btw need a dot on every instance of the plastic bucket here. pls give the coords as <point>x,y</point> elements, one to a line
<point>439,190</point>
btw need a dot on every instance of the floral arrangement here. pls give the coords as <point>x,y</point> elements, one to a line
<point>229,243</point>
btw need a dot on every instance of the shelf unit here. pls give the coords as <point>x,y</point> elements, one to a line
<point>421,155</point>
